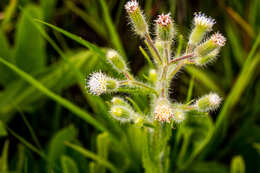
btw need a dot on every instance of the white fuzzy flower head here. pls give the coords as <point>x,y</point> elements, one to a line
<point>218,39</point>
<point>97,83</point>
<point>131,6</point>
<point>204,21</point>
<point>214,100</point>
<point>163,111</point>
<point>164,19</point>
<point>179,116</point>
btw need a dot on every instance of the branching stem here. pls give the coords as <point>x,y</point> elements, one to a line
<point>181,58</point>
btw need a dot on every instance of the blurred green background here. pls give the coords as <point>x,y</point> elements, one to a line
<point>46,122</point>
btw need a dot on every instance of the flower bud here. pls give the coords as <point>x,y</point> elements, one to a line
<point>216,41</point>
<point>164,27</point>
<point>202,25</point>
<point>153,75</point>
<point>99,83</point>
<point>137,18</point>
<point>208,102</point>
<point>207,58</point>
<point>163,111</point>
<point>179,116</point>
<point>116,60</point>
<point>121,113</point>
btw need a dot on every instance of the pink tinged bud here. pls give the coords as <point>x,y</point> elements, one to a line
<point>131,6</point>
<point>164,27</point>
<point>216,41</point>
<point>136,17</point>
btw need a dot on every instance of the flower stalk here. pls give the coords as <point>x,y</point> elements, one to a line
<point>162,113</point>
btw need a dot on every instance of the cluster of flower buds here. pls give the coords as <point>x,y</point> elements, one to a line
<point>199,51</point>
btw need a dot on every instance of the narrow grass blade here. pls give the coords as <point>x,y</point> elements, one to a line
<point>93,156</point>
<point>75,38</point>
<point>114,37</point>
<point>75,109</point>
<point>146,57</point>
<point>204,78</point>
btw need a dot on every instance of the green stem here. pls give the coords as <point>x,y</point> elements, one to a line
<point>150,43</point>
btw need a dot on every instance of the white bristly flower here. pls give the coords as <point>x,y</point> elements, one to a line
<point>204,21</point>
<point>163,111</point>
<point>214,100</point>
<point>202,25</point>
<point>208,102</point>
<point>99,83</point>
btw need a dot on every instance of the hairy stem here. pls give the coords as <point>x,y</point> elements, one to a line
<point>151,44</point>
<point>140,84</point>
<point>181,58</point>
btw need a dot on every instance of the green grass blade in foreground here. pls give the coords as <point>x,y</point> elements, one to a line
<point>75,38</point>
<point>93,156</point>
<point>233,98</point>
<point>204,78</point>
<point>114,37</point>
<point>73,108</point>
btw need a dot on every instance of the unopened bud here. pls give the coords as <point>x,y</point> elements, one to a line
<point>99,83</point>
<point>116,60</point>
<point>216,41</point>
<point>164,27</point>
<point>137,18</point>
<point>153,75</point>
<point>121,113</point>
<point>208,102</point>
<point>179,116</point>
<point>163,111</point>
<point>207,58</point>
<point>202,25</point>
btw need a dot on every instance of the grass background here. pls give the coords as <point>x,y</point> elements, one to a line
<point>48,123</point>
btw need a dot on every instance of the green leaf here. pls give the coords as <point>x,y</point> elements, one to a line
<point>6,75</point>
<point>208,167</point>
<point>4,158</point>
<point>103,141</point>
<point>68,165</point>
<point>3,131</point>
<point>57,146</point>
<point>237,165</point>
<point>29,52</point>
<point>78,111</point>
<point>48,8</point>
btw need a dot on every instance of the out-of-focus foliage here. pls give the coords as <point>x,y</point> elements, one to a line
<point>43,100</point>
